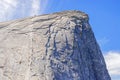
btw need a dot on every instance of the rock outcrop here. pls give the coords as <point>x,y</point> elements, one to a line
<point>59,46</point>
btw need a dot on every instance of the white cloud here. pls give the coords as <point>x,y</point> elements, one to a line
<point>7,7</point>
<point>13,9</point>
<point>38,7</point>
<point>113,62</point>
<point>35,8</point>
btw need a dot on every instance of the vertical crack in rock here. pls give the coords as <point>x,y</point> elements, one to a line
<point>58,46</point>
<point>49,37</point>
<point>49,53</point>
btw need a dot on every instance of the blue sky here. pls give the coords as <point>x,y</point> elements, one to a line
<point>104,18</point>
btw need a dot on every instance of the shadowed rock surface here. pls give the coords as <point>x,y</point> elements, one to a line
<point>59,46</point>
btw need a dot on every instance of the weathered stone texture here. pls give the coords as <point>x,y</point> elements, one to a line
<point>59,46</point>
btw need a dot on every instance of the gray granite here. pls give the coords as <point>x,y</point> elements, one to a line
<point>58,46</point>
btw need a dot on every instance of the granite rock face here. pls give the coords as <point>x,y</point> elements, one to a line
<point>59,46</point>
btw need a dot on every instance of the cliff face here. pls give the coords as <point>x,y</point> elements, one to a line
<point>59,46</point>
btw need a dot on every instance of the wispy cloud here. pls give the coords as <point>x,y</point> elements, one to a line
<point>35,7</point>
<point>103,41</point>
<point>7,7</point>
<point>13,9</point>
<point>113,62</point>
<point>38,7</point>
<point>43,5</point>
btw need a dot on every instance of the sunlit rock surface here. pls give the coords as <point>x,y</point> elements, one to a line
<point>59,46</point>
